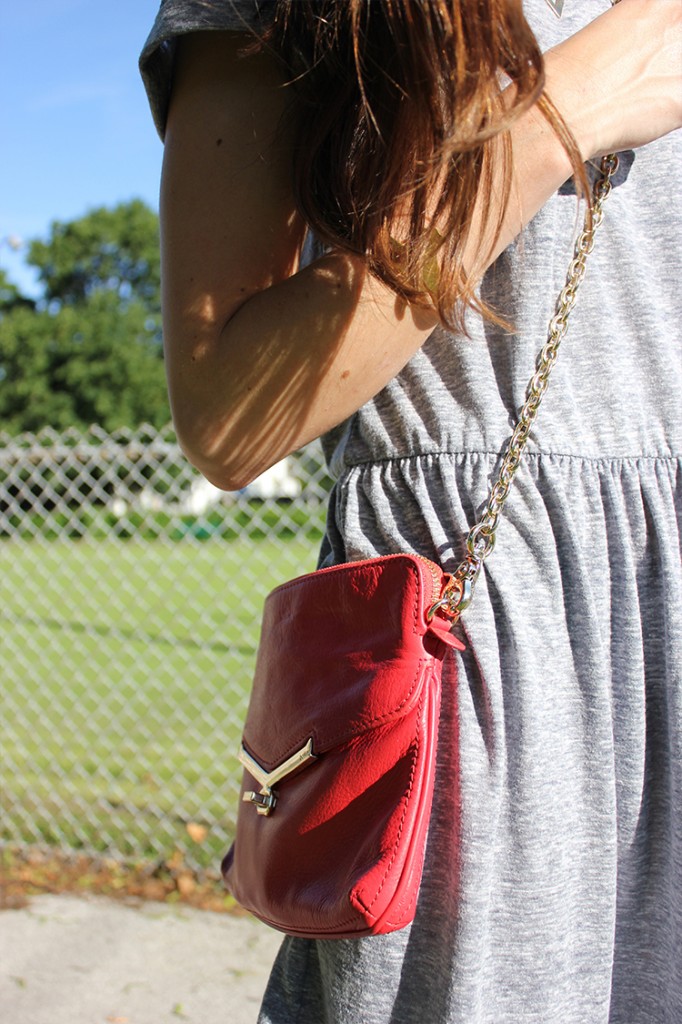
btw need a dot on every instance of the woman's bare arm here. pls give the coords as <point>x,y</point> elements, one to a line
<point>261,358</point>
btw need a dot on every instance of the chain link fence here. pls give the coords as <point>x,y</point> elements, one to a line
<point>130,600</point>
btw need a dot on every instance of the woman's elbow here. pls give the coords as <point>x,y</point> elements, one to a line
<point>226,477</point>
<point>221,452</point>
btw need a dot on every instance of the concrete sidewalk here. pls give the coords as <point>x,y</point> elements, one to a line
<point>74,960</point>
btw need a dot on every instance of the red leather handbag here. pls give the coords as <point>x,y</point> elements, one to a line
<point>339,749</point>
<point>339,746</point>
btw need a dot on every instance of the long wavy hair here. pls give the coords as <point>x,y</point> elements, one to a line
<point>401,122</point>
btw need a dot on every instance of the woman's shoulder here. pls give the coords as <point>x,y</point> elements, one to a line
<point>179,17</point>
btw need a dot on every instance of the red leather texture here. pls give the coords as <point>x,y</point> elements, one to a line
<point>348,660</point>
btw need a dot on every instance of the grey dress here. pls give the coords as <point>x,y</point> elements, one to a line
<point>552,891</point>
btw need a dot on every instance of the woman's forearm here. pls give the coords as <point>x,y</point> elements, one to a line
<point>617,84</point>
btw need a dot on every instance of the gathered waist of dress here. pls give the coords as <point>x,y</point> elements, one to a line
<point>345,462</point>
<point>427,503</point>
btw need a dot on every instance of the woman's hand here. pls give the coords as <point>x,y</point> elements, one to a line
<point>618,82</point>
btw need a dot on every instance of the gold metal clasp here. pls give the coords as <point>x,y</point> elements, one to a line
<point>266,800</point>
<point>456,597</point>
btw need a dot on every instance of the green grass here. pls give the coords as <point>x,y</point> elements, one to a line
<point>125,674</point>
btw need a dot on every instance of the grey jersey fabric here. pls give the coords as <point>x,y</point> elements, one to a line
<point>552,891</point>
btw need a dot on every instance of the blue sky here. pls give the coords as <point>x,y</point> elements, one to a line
<point>75,128</point>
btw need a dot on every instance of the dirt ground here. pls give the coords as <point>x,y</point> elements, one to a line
<point>30,872</point>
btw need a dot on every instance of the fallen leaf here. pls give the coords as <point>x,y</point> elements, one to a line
<point>175,861</point>
<point>186,884</point>
<point>197,833</point>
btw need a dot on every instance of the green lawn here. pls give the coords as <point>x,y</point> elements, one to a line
<point>125,674</point>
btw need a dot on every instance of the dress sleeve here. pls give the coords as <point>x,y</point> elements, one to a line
<point>177,17</point>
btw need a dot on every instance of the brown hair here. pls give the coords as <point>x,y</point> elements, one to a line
<point>399,105</point>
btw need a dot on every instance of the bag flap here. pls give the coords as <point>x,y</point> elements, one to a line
<point>341,651</point>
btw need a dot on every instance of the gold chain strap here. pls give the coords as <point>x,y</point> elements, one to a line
<point>481,539</point>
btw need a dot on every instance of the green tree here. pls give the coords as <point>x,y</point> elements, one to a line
<point>10,296</point>
<point>113,250</point>
<point>89,350</point>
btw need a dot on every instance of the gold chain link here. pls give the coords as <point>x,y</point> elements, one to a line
<point>481,539</point>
